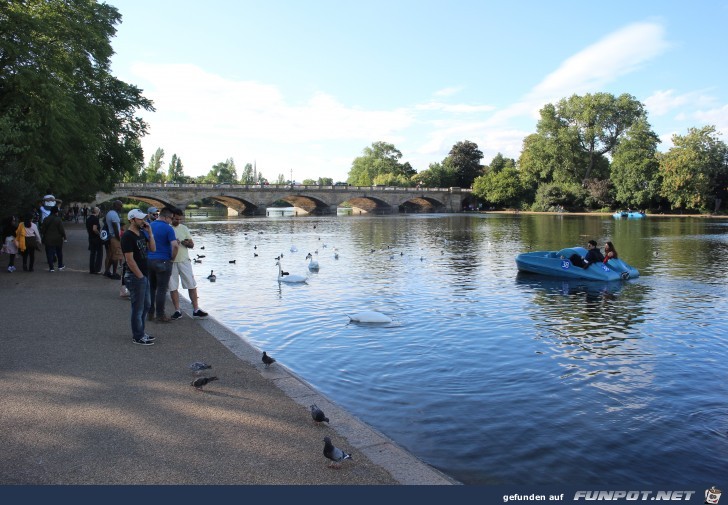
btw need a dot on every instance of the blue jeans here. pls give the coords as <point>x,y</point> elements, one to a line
<point>159,273</point>
<point>53,252</point>
<point>141,300</point>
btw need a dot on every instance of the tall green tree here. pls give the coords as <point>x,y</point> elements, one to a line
<point>464,159</point>
<point>248,175</point>
<point>501,187</point>
<point>694,169</point>
<point>597,121</point>
<point>223,173</point>
<point>153,170</point>
<point>635,167</point>
<point>66,123</point>
<point>175,172</point>
<point>380,159</point>
<point>437,175</point>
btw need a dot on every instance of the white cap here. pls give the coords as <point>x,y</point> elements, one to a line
<point>136,213</point>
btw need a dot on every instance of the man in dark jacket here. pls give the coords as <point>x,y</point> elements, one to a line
<point>593,254</point>
<point>53,235</point>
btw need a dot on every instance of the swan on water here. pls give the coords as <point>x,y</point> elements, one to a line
<point>369,316</point>
<point>288,278</point>
<point>313,265</point>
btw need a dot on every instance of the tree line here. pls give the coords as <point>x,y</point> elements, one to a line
<point>71,128</point>
<point>590,152</point>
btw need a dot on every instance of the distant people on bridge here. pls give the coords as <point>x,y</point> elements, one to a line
<point>160,263</point>
<point>53,235</point>
<point>95,244</point>
<point>113,245</point>
<point>182,268</point>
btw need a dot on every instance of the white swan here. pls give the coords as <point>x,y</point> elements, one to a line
<point>288,278</point>
<point>313,265</point>
<point>369,316</point>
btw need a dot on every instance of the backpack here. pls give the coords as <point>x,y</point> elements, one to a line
<point>104,234</point>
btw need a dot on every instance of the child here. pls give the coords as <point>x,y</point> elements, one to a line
<point>10,244</point>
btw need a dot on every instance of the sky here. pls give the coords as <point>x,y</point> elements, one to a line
<point>300,88</point>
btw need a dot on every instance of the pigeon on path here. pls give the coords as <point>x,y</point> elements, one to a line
<point>267,360</point>
<point>201,381</point>
<point>333,453</point>
<point>318,415</point>
<point>199,365</point>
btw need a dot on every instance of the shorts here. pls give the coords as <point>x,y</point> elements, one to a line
<point>115,249</point>
<point>182,270</point>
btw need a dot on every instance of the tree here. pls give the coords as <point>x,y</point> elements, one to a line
<point>597,121</point>
<point>58,96</point>
<point>152,173</point>
<point>499,162</point>
<point>379,159</point>
<point>464,160</point>
<point>635,167</point>
<point>223,173</point>
<point>436,176</point>
<point>248,175</point>
<point>694,170</point>
<point>175,172</point>
<point>501,187</point>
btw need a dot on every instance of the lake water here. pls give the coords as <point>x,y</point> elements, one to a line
<point>491,376</point>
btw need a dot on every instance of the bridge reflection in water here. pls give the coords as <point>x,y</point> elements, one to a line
<point>304,199</point>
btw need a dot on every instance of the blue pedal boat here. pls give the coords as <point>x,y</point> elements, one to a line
<point>558,264</point>
<point>628,215</point>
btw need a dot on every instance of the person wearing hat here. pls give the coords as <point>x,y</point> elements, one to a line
<point>135,243</point>
<point>152,214</point>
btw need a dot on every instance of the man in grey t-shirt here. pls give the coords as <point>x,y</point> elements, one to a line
<point>113,246</point>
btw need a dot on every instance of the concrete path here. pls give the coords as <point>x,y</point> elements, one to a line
<point>82,404</point>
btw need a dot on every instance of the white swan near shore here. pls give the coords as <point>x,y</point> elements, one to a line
<point>369,316</point>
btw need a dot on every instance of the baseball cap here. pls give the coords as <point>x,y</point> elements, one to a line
<point>152,210</point>
<point>136,214</point>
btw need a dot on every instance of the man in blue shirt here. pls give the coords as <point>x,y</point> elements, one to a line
<point>160,263</point>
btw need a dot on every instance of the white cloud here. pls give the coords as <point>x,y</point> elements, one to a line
<point>662,102</point>
<point>448,91</point>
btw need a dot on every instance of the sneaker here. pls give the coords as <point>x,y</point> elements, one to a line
<point>143,341</point>
<point>199,313</point>
<point>51,270</point>
<point>163,319</point>
<point>62,268</point>
<point>149,337</point>
<point>177,314</point>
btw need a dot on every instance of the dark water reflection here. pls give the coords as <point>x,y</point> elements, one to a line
<point>490,375</point>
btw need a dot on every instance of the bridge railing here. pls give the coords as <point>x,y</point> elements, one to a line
<point>297,187</point>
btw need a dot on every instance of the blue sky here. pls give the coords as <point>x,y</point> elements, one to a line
<point>305,86</point>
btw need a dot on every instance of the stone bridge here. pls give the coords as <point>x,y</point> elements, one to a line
<point>305,199</point>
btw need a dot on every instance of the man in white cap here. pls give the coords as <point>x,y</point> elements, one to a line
<point>135,243</point>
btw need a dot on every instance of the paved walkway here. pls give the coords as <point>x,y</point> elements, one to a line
<point>81,404</point>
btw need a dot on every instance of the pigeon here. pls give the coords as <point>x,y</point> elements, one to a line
<point>318,415</point>
<point>333,453</point>
<point>199,365</point>
<point>201,381</point>
<point>267,360</point>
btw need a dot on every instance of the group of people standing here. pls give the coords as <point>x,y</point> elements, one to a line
<point>155,250</point>
<point>39,229</point>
